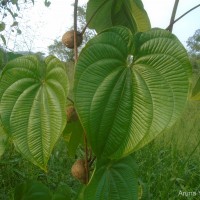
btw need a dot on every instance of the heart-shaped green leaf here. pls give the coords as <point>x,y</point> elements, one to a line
<point>129,89</point>
<point>33,99</point>
<point>113,180</point>
<point>104,14</point>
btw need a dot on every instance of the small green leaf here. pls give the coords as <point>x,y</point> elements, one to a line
<point>76,139</point>
<point>33,99</point>
<point>47,3</point>
<point>15,15</point>
<point>32,190</point>
<point>113,180</point>
<point>73,135</point>
<point>14,1</point>
<point>2,26</point>
<point>15,23</point>
<point>3,39</point>
<point>196,91</point>
<point>19,31</point>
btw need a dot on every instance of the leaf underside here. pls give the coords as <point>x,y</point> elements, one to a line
<point>129,89</point>
<point>33,99</point>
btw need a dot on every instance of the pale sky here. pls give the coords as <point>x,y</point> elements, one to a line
<point>41,25</point>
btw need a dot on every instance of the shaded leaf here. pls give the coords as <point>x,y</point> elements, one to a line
<point>113,180</point>
<point>105,14</point>
<point>33,99</point>
<point>32,190</point>
<point>73,135</point>
<point>129,89</point>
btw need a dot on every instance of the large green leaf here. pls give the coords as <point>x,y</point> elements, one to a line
<point>129,89</point>
<point>113,180</point>
<point>196,91</point>
<point>108,13</point>
<point>33,100</point>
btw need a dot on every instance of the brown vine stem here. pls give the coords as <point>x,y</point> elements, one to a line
<point>75,31</point>
<point>173,15</point>
<point>76,58</point>
<point>172,23</point>
<point>86,158</point>
<point>96,11</point>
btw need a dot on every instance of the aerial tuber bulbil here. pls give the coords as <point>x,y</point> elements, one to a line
<point>68,39</point>
<point>78,170</point>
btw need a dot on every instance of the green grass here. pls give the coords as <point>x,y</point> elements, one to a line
<point>15,170</point>
<point>171,163</point>
<point>168,165</point>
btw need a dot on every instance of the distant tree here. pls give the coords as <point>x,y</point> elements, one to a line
<point>193,44</point>
<point>10,11</point>
<point>60,51</point>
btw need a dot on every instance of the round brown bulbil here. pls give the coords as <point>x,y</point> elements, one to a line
<point>68,39</point>
<point>78,170</point>
<point>71,114</point>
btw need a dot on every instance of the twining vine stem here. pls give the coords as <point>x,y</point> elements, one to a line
<point>76,58</point>
<point>75,31</point>
<point>170,27</point>
<point>93,15</point>
<point>172,23</point>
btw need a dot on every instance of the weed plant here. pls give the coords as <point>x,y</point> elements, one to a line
<point>170,164</point>
<point>15,170</point>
